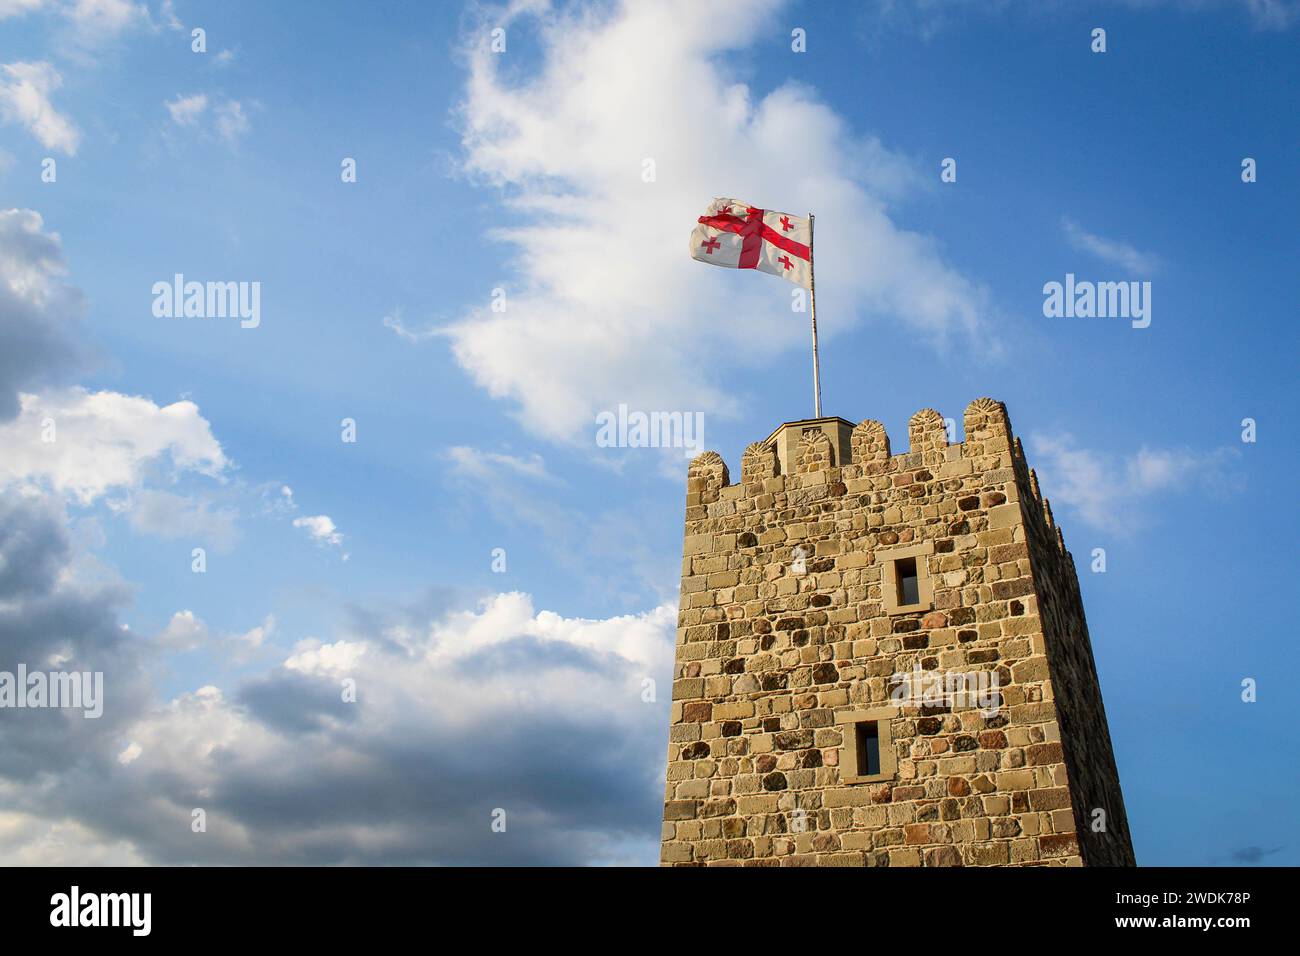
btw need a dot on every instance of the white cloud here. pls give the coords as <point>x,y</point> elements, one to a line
<point>313,657</point>
<point>1273,14</point>
<point>165,514</point>
<point>27,839</point>
<point>167,13</point>
<point>255,637</point>
<point>97,20</point>
<point>228,119</point>
<point>278,501</point>
<point>1264,14</point>
<point>1116,253</point>
<point>320,528</point>
<point>606,306</point>
<point>17,8</point>
<point>232,123</point>
<point>186,110</point>
<point>645,640</point>
<point>29,271</point>
<point>103,441</point>
<point>473,462</point>
<point>187,632</point>
<point>394,321</point>
<point>25,90</point>
<point>184,632</point>
<point>1115,492</point>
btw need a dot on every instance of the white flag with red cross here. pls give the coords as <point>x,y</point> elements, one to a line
<point>736,235</point>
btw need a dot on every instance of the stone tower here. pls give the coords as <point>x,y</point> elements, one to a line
<point>882,660</point>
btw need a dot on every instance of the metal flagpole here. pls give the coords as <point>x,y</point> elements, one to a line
<point>812,282</point>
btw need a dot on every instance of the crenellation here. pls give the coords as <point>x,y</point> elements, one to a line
<point>758,463</point>
<point>870,443</point>
<point>927,437</point>
<point>868,464</point>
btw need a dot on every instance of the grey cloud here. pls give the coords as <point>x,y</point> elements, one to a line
<point>296,703</point>
<point>521,653</point>
<point>42,616</point>
<point>316,781</point>
<point>570,790</point>
<point>38,313</point>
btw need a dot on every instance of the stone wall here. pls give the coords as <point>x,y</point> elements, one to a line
<point>1085,734</point>
<point>783,633</point>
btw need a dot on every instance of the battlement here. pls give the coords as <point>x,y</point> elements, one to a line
<point>839,457</point>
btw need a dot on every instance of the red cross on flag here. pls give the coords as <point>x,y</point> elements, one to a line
<point>736,235</point>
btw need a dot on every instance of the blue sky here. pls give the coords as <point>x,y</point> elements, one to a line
<point>522,171</point>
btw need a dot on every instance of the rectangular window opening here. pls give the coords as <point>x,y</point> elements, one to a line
<point>909,588</point>
<point>868,732</point>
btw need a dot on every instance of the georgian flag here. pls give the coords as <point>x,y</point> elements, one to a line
<point>736,235</point>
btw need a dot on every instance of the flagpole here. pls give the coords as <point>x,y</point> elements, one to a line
<point>812,283</point>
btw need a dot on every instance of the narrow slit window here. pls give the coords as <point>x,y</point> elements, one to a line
<point>868,732</point>
<point>909,587</point>
<point>868,754</point>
